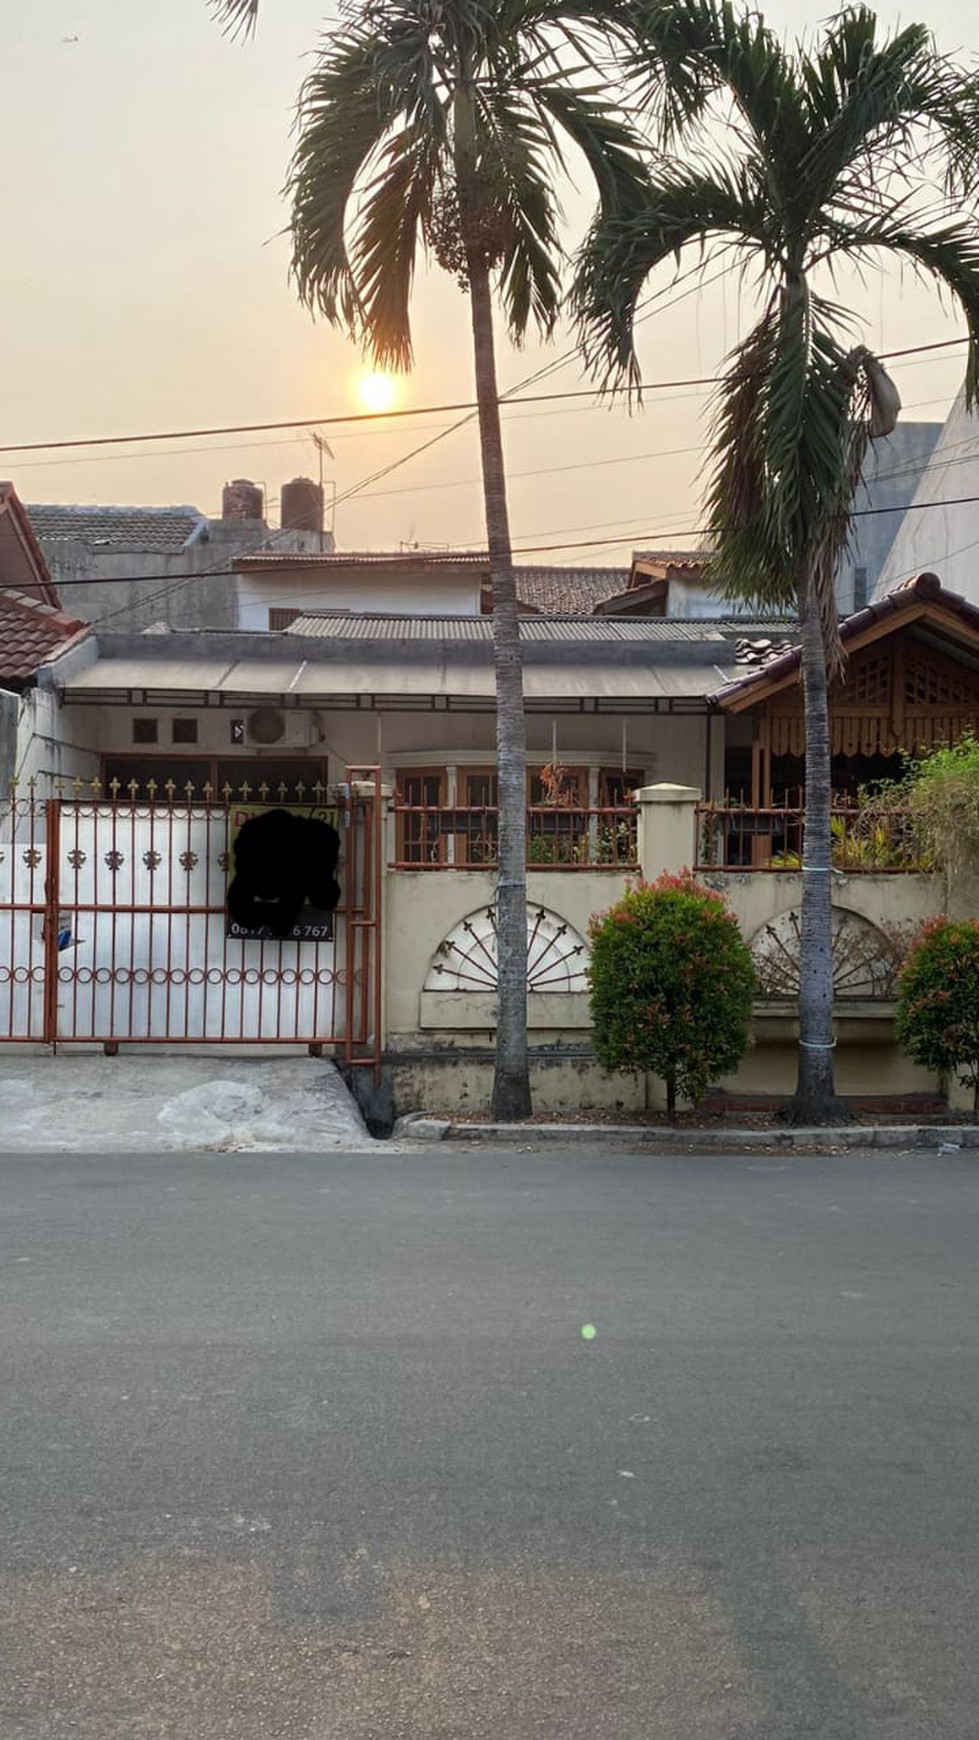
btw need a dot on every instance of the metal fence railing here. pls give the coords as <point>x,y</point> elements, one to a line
<point>462,837</point>
<point>115,926</point>
<point>866,838</point>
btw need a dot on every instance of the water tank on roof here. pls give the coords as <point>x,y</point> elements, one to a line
<point>301,508</point>
<point>242,500</point>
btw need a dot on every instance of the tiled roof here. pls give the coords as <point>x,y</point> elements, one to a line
<point>568,591</point>
<point>22,564</point>
<point>778,661</point>
<point>670,558</point>
<point>117,528</point>
<point>29,631</point>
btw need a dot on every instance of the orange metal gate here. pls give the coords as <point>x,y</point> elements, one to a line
<point>113,930</point>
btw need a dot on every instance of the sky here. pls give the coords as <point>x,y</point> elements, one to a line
<point>144,287</point>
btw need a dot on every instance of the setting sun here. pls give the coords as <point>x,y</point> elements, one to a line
<point>377,392</point>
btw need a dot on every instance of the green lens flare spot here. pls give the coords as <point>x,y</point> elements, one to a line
<point>588,1332</point>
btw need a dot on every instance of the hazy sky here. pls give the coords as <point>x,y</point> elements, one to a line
<point>144,286</point>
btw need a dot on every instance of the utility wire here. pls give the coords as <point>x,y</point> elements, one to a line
<point>380,417</point>
<point>647,539</point>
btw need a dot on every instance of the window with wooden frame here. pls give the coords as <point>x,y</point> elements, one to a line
<point>476,826</point>
<point>557,787</point>
<point>420,836</point>
<point>615,787</point>
<point>556,827</point>
<point>478,787</point>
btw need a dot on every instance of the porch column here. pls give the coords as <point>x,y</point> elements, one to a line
<point>667,828</point>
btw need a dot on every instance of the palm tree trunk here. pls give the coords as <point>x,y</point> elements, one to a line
<point>511,1079</point>
<point>815,1099</point>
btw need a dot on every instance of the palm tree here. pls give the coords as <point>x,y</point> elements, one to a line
<point>856,149</point>
<point>438,126</point>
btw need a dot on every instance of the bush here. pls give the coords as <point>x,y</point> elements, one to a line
<point>943,799</point>
<point>671,986</point>
<point>938,1002</point>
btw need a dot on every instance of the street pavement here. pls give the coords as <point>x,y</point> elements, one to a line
<point>313,1447</point>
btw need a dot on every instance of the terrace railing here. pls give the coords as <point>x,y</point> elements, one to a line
<point>866,838</point>
<point>460,837</point>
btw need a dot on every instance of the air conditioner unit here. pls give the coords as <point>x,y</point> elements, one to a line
<point>273,728</point>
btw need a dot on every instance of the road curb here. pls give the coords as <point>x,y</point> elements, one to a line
<point>950,1138</point>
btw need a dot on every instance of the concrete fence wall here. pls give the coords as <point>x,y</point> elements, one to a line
<point>440,1041</point>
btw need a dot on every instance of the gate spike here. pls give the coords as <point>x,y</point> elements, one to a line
<point>189,790</point>
<point>169,788</point>
<point>114,789</point>
<point>246,790</point>
<point>300,789</point>
<point>76,786</point>
<point>133,788</point>
<point>96,785</point>
<point>151,789</point>
<point>283,788</point>
<point>227,792</point>
<point>207,791</point>
<point>263,791</point>
<point>318,790</point>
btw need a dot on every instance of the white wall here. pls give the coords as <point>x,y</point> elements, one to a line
<point>662,748</point>
<point>54,743</point>
<point>435,592</point>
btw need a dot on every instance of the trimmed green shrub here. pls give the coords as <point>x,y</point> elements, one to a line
<point>937,1020</point>
<point>671,986</point>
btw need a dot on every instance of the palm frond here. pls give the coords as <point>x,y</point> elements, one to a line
<point>682,209</point>
<point>518,148</point>
<point>608,144</point>
<point>947,255</point>
<point>866,97</point>
<point>391,225</point>
<point>237,16</point>
<point>695,48</point>
<point>348,106</point>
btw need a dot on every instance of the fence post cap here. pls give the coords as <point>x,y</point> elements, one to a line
<point>667,794</point>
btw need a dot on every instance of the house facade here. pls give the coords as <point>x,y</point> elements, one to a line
<point>653,744</point>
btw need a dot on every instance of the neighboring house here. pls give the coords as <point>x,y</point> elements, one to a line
<point>904,467</point>
<point>275,586</point>
<point>940,530</point>
<point>132,567</point>
<point>32,627</point>
<point>31,736</point>
<point>911,682</point>
<point>893,473</point>
<point>22,565</point>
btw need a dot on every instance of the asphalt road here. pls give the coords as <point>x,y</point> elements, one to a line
<point>313,1448</point>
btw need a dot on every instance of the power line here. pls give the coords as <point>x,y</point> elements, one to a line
<point>649,539</point>
<point>380,417</point>
<point>549,368</point>
<point>376,417</point>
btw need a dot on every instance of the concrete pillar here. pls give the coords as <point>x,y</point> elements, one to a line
<point>667,828</point>
<point>961,887</point>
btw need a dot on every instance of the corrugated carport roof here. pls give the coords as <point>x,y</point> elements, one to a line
<point>304,682</point>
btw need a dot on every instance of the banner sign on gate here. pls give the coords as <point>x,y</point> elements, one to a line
<point>282,862</point>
